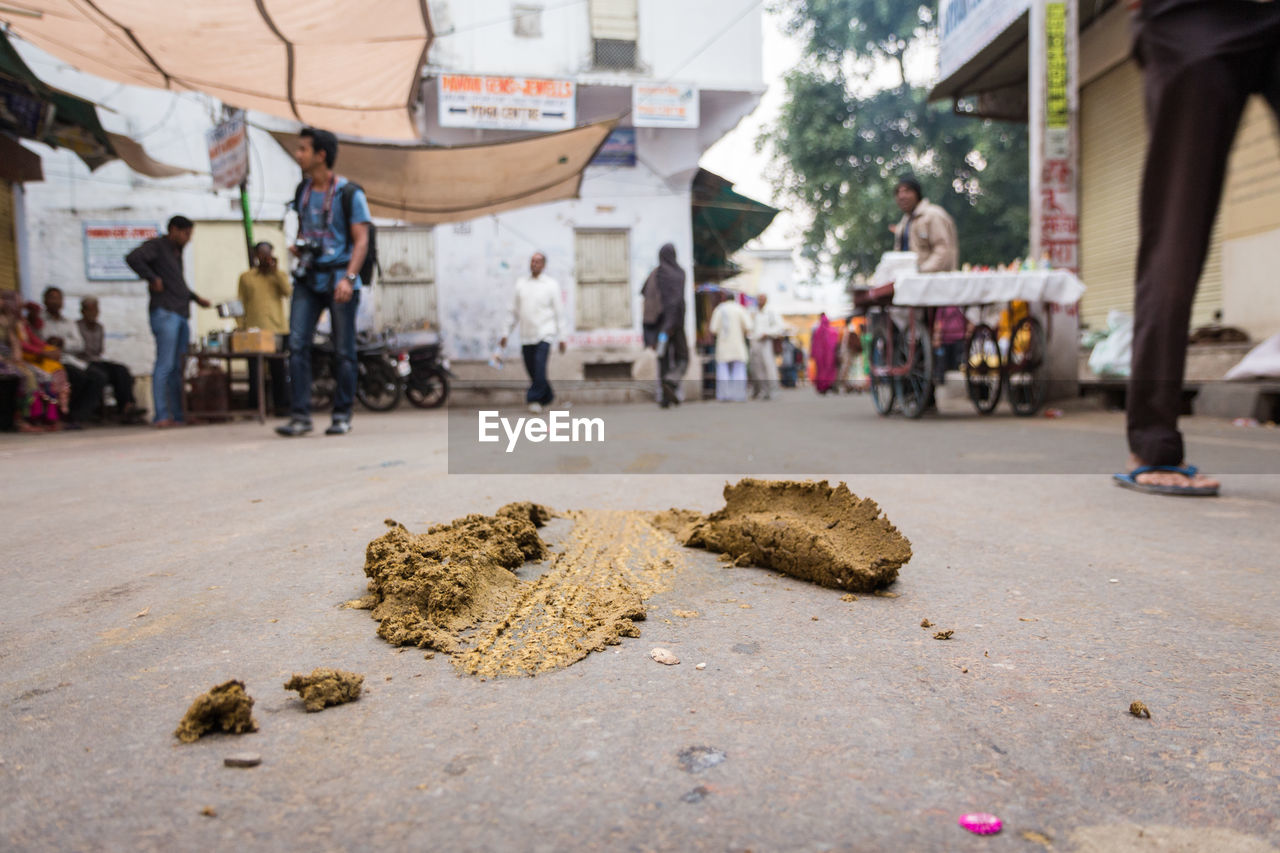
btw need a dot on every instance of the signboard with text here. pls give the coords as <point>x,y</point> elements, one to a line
<point>664,105</point>
<point>229,153</point>
<point>619,149</point>
<point>106,244</point>
<point>968,26</point>
<point>1059,202</point>
<point>506,103</point>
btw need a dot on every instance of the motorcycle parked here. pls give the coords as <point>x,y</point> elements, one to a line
<point>379,385</point>
<point>424,368</point>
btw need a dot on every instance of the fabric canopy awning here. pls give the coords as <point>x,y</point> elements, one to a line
<point>429,185</point>
<point>723,222</point>
<point>33,110</point>
<point>350,66</point>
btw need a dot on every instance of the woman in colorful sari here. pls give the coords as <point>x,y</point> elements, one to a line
<point>31,396</point>
<point>54,397</point>
<point>825,348</point>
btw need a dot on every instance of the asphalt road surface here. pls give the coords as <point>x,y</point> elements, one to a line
<point>143,567</point>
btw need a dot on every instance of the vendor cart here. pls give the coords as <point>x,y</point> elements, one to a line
<point>901,352</point>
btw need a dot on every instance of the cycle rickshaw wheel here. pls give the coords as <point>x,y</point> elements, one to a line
<point>983,375</point>
<point>1028,367</point>
<point>914,388</point>
<point>882,391</point>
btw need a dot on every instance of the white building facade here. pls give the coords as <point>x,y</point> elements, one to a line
<point>458,277</point>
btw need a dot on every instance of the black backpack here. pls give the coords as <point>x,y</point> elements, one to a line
<point>345,196</point>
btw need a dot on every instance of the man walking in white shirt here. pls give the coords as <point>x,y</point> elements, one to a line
<point>731,326</point>
<point>536,310</point>
<point>767,333</point>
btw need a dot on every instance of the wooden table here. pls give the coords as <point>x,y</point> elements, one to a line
<point>258,358</point>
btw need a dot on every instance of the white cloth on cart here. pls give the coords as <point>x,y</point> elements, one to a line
<point>983,288</point>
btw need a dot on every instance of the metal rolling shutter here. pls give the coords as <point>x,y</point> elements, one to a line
<point>8,240</point>
<point>1112,149</point>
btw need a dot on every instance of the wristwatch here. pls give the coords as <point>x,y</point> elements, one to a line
<point>349,277</point>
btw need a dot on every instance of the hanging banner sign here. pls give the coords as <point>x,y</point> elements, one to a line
<point>664,105</point>
<point>1057,121</point>
<point>506,103</point>
<point>106,244</point>
<point>229,153</point>
<point>1059,199</point>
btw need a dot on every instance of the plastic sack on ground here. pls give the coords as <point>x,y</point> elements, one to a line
<point>1262,362</point>
<point>1111,356</point>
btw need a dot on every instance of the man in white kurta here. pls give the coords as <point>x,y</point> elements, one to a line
<point>731,325</point>
<point>536,309</point>
<point>767,330</point>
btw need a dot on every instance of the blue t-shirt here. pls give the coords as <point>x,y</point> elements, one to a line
<point>331,234</point>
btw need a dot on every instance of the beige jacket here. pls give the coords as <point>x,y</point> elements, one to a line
<point>932,236</point>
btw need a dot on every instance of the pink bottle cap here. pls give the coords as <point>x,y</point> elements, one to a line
<point>981,823</point>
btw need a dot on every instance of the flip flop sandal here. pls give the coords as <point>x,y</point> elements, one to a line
<point>1130,481</point>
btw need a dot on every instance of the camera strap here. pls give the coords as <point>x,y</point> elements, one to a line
<point>328,200</point>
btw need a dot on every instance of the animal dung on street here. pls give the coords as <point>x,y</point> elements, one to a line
<point>809,530</point>
<point>225,708</point>
<point>325,687</point>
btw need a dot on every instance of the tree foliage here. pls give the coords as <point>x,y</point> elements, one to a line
<point>841,149</point>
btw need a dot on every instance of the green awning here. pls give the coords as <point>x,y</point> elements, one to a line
<point>723,222</point>
<point>33,110</point>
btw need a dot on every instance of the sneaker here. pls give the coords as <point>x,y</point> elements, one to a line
<point>340,426</point>
<point>295,427</point>
<point>536,408</point>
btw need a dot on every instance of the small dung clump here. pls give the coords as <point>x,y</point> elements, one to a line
<point>1139,709</point>
<point>808,530</point>
<point>225,708</point>
<point>325,687</point>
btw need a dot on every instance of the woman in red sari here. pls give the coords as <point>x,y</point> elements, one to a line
<point>825,349</point>
<point>55,399</point>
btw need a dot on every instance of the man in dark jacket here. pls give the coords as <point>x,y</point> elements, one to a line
<point>158,262</point>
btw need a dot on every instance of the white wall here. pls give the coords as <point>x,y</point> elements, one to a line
<point>715,44</point>
<point>1251,299</point>
<point>478,262</point>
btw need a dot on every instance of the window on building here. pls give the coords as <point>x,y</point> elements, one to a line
<point>614,30</point>
<point>527,20</point>
<point>406,291</point>
<point>602,263</point>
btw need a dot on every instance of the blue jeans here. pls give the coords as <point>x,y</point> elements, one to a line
<point>304,312</point>
<point>172,335</point>
<point>535,361</point>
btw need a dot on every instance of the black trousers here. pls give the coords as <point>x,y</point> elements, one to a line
<point>120,379</point>
<point>1202,62</point>
<point>535,361</point>
<point>674,364</point>
<point>87,385</point>
<point>278,398</point>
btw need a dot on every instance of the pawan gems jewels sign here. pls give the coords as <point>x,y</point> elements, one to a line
<point>506,103</point>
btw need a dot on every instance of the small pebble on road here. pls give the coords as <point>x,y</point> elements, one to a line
<point>664,656</point>
<point>243,759</point>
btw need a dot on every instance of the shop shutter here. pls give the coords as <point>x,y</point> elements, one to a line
<point>614,19</point>
<point>602,268</point>
<point>406,288</point>
<point>8,240</point>
<point>1113,149</point>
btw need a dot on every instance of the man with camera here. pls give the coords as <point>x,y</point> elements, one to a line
<point>333,239</point>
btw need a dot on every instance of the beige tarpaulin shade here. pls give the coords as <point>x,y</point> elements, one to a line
<point>137,158</point>
<point>350,66</point>
<point>429,185</point>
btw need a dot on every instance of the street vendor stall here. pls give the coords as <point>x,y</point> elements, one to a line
<point>1017,356</point>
